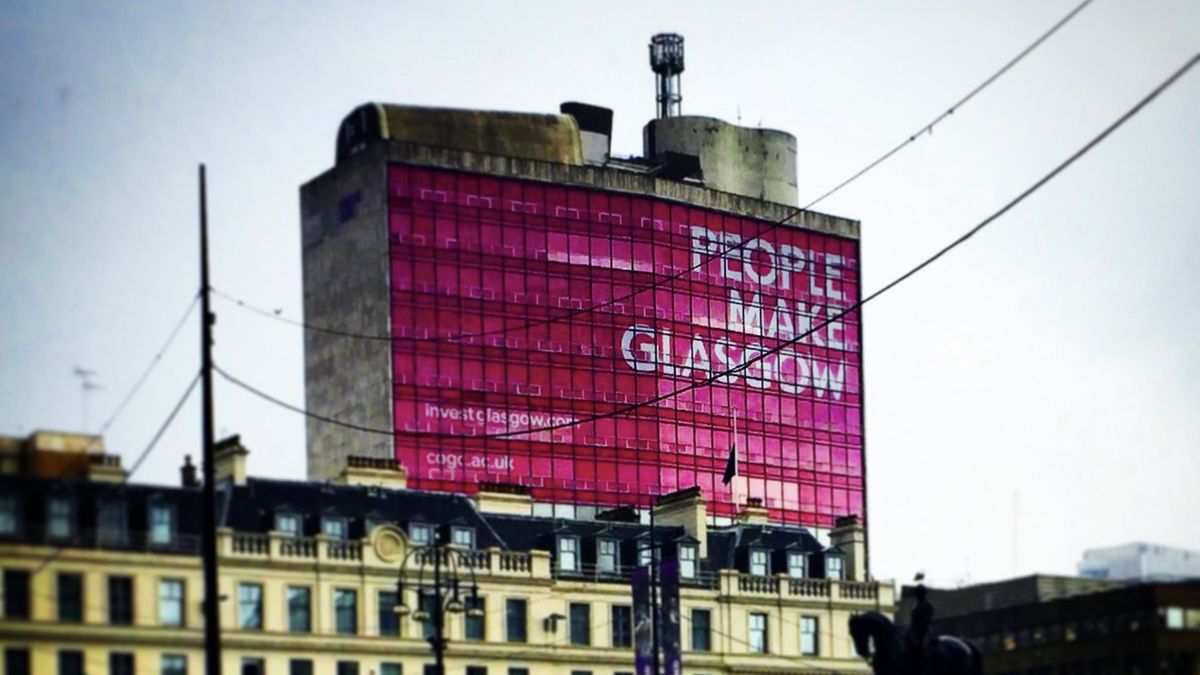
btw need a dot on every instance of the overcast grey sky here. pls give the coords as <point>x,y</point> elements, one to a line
<point>1055,356</point>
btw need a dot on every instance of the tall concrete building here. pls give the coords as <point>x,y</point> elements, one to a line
<point>498,297</point>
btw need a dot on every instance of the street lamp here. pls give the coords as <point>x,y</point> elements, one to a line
<point>447,563</point>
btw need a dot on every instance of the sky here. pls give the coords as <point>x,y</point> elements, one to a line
<point>1029,396</point>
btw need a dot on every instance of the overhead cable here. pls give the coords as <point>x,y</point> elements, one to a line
<point>1146,100</point>
<point>113,489</point>
<point>704,258</point>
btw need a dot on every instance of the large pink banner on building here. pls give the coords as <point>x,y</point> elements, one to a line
<point>491,282</point>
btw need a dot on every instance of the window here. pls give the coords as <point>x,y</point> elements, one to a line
<point>476,670</point>
<point>253,666</point>
<point>758,562</point>
<point>174,664</point>
<point>120,663</point>
<point>808,635</point>
<point>795,565</point>
<point>581,672</point>
<point>336,528</point>
<point>299,608</point>
<point>289,524</point>
<point>687,561</point>
<point>568,554</point>
<point>463,537</point>
<point>581,623</point>
<point>60,518</point>
<point>701,630</point>
<point>347,668</point>
<point>833,567</point>
<point>622,626</point>
<point>758,633</point>
<point>16,594</point>
<point>162,524</point>
<point>250,600</point>
<point>120,601</point>
<point>391,669</point>
<point>389,621</point>
<point>345,609</point>
<point>170,603</point>
<point>1174,618</point>
<point>16,661</point>
<point>70,597</point>
<point>300,667</point>
<point>70,662</point>
<point>606,556</point>
<point>10,515</point>
<point>420,534</point>
<point>518,671</point>
<point>111,524</point>
<point>515,622</point>
<point>645,553</point>
<point>473,626</point>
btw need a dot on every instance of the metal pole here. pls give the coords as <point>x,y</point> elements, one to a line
<point>439,640</point>
<point>212,615</point>
<point>654,609</point>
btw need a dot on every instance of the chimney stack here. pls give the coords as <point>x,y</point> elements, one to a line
<point>187,473</point>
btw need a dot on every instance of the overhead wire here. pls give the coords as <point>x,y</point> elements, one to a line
<point>113,489</point>
<point>706,257</point>
<point>744,365</point>
<point>145,374</point>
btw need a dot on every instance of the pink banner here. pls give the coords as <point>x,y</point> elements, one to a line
<point>492,281</point>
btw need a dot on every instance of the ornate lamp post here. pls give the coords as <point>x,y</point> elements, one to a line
<point>447,564</point>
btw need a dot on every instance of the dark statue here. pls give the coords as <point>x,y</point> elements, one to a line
<point>892,651</point>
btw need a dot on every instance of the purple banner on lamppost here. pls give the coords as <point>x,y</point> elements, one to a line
<point>643,623</point>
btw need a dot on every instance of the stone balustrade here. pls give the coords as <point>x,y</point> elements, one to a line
<point>872,593</point>
<point>497,563</point>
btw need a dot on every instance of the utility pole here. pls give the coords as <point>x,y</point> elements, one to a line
<point>438,641</point>
<point>656,616</point>
<point>212,602</point>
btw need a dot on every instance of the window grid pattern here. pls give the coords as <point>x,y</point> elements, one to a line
<point>472,254</point>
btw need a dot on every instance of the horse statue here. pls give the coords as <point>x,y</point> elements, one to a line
<point>890,652</point>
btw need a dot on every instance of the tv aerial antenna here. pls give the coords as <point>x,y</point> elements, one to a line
<point>87,385</point>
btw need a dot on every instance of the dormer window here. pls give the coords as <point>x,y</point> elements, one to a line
<point>112,523</point>
<point>796,566</point>
<point>420,534</point>
<point>10,515</point>
<point>607,555</point>
<point>162,524</point>
<point>645,553</point>
<point>687,561</point>
<point>568,554</point>
<point>335,527</point>
<point>60,518</point>
<point>759,562</point>
<point>462,537</point>
<point>289,524</point>
<point>834,568</point>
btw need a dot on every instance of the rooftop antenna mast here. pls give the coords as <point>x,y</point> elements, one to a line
<point>87,385</point>
<point>666,60</point>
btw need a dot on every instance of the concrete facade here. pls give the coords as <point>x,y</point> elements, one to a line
<point>345,263</point>
<point>758,163</point>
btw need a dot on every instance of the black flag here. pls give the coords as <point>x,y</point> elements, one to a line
<point>731,468</point>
